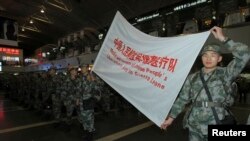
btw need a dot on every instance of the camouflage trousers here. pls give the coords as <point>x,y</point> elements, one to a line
<point>195,136</point>
<point>70,106</point>
<point>87,119</point>
<point>56,105</point>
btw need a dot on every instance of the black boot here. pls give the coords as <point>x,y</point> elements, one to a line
<point>88,137</point>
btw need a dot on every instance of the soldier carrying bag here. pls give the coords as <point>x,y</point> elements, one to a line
<point>229,119</point>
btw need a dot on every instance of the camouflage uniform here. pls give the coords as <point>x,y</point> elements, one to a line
<point>21,88</point>
<point>37,101</point>
<point>51,92</point>
<point>43,89</point>
<point>69,91</point>
<point>56,82</point>
<point>198,119</point>
<point>34,90</point>
<point>89,95</point>
<point>28,92</point>
<point>38,97</point>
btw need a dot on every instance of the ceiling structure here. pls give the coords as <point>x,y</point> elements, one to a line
<point>64,17</point>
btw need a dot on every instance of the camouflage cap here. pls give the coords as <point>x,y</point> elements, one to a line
<point>72,68</point>
<point>211,47</point>
<point>83,65</point>
<point>52,68</point>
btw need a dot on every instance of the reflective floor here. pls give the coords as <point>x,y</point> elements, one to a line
<point>20,124</point>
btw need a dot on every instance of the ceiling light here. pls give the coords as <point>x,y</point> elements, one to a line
<point>42,10</point>
<point>148,17</point>
<point>31,21</point>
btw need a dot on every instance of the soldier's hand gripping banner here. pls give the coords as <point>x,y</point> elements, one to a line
<point>147,71</point>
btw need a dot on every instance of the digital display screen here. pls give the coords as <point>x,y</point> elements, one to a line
<point>11,51</point>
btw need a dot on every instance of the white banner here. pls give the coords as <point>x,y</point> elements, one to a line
<point>147,71</point>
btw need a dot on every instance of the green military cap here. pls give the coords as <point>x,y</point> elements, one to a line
<point>52,68</point>
<point>83,65</point>
<point>73,68</point>
<point>212,47</point>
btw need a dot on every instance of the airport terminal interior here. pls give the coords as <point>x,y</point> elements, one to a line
<point>44,43</point>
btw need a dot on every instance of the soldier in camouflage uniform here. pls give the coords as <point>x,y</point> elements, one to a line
<point>89,94</point>
<point>39,90</point>
<point>218,80</point>
<point>21,88</point>
<point>27,97</point>
<point>37,82</point>
<point>43,89</point>
<point>34,90</point>
<point>56,82</point>
<point>51,91</point>
<point>70,89</point>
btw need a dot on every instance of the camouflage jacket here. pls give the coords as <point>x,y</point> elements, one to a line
<point>60,79</point>
<point>219,86</point>
<point>51,85</point>
<point>43,85</point>
<point>89,89</point>
<point>70,89</point>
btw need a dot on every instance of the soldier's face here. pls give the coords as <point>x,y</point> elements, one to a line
<point>52,72</point>
<point>73,72</point>
<point>84,69</point>
<point>210,59</point>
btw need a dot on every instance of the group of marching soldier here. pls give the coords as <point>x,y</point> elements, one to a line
<point>75,91</point>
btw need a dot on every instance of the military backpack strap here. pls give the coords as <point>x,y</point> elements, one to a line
<point>195,77</point>
<point>210,98</point>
